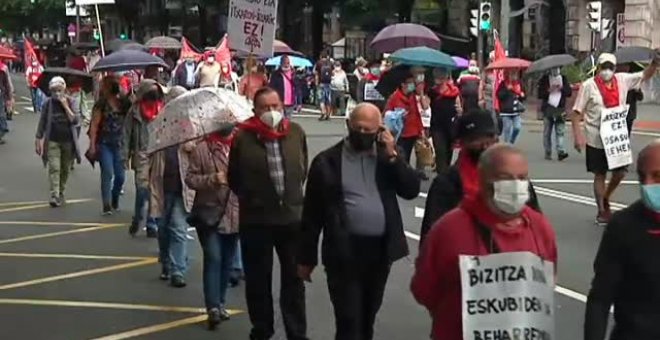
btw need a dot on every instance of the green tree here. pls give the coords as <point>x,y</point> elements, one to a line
<point>21,15</point>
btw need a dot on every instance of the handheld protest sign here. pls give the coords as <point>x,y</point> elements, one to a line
<point>614,134</point>
<point>507,296</point>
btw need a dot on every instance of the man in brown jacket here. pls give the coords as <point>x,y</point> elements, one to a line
<point>267,169</point>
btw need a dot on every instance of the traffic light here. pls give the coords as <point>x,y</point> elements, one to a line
<point>595,14</point>
<point>474,22</point>
<point>607,28</point>
<point>123,36</point>
<point>485,16</point>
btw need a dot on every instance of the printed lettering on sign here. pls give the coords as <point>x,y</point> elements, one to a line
<point>251,26</point>
<point>370,92</point>
<point>614,134</point>
<point>507,296</point>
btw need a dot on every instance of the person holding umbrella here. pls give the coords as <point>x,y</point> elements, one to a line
<point>511,95</point>
<point>553,91</point>
<point>57,139</point>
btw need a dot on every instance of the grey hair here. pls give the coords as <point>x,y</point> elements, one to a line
<point>174,92</point>
<point>488,158</point>
<point>644,155</point>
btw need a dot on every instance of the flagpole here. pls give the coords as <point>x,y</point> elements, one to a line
<point>98,24</point>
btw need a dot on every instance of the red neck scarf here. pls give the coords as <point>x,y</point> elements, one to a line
<point>370,77</point>
<point>479,209</point>
<point>516,87</point>
<point>610,93</point>
<point>469,175</point>
<point>263,131</point>
<point>216,138</point>
<point>150,109</point>
<point>450,90</point>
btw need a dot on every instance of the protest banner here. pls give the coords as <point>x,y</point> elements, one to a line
<point>507,296</point>
<point>370,92</point>
<point>251,26</point>
<point>614,134</point>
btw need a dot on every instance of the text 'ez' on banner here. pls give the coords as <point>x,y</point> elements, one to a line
<point>251,26</point>
<point>614,134</point>
<point>507,296</point>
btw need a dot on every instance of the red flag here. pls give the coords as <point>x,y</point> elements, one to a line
<point>222,53</point>
<point>187,51</point>
<point>32,73</point>
<point>499,74</point>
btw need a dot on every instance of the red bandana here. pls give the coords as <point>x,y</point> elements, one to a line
<point>610,94</point>
<point>450,90</point>
<point>263,131</point>
<point>150,109</point>
<point>469,175</point>
<point>371,77</point>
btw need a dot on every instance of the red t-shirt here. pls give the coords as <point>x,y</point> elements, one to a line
<point>437,281</point>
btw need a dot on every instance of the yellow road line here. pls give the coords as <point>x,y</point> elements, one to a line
<point>78,256</point>
<point>78,274</point>
<point>154,329</point>
<point>104,305</point>
<point>11,204</point>
<point>37,206</point>
<point>47,223</point>
<point>57,233</point>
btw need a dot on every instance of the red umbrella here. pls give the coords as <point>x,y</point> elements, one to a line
<point>509,63</point>
<point>6,53</point>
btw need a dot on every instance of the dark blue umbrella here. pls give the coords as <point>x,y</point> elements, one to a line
<point>126,60</point>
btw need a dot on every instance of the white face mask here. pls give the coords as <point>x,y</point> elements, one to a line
<point>510,196</point>
<point>210,60</point>
<point>420,78</point>
<point>272,118</point>
<point>606,74</point>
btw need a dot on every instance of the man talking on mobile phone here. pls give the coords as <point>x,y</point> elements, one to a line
<point>351,197</point>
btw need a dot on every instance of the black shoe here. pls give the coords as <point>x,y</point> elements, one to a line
<point>133,229</point>
<point>55,201</point>
<point>224,315</point>
<point>107,210</point>
<point>562,156</point>
<point>115,204</point>
<point>152,233</point>
<point>214,318</point>
<point>548,156</point>
<point>164,275</point>
<point>177,281</point>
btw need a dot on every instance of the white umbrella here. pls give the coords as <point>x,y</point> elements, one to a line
<point>194,115</point>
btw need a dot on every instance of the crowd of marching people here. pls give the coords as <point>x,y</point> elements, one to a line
<point>250,188</point>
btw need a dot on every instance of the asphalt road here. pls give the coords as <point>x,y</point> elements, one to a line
<point>70,273</point>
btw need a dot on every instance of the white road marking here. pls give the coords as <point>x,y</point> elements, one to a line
<point>574,181</point>
<point>645,133</point>
<point>26,98</point>
<point>419,213</point>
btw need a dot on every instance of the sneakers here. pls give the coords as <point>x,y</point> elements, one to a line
<point>177,281</point>
<point>152,233</point>
<point>562,156</point>
<point>214,318</point>
<point>604,217</point>
<point>55,201</point>
<point>62,199</point>
<point>107,210</point>
<point>115,203</point>
<point>164,274</point>
<point>133,229</point>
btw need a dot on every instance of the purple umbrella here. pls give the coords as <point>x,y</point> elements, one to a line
<point>398,36</point>
<point>461,62</point>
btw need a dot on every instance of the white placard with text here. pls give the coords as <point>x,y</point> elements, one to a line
<point>251,26</point>
<point>614,134</point>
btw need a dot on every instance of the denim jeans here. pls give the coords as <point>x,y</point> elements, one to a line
<point>559,126</point>
<point>511,126</point>
<point>111,167</point>
<point>4,127</point>
<point>172,240</point>
<point>219,253</point>
<point>142,198</point>
<point>37,99</point>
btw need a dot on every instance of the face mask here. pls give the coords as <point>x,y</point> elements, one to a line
<point>410,88</point>
<point>210,60</point>
<point>57,94</point>
<point>510,196</point>
<point>225,70</point>
<point>375,71</point>
<point>272,118</point>
<point>651,196</point>
<point>474,154</point>
<point>555,72</point>
<point>189,62</point>
<point>361,141</point>
<point>420,78</point>
<point>606,74</point>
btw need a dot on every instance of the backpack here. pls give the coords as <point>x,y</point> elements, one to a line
<point>325,72</point>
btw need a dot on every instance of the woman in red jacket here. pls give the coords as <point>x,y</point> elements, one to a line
<point>405,97</point>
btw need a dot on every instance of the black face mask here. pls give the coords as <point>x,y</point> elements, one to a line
<point>474,154</point>
<point>114,89</point>
<point>361,141</point>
